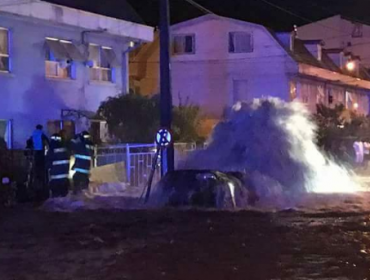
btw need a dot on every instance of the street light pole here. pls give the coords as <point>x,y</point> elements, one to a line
<point>167,158</point>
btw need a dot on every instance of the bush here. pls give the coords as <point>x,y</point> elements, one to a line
<point>133,118</point>
<point>339,128</point>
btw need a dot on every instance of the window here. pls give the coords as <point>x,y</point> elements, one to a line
<point>240,42</point>
<point>102,62</point>
<point>292,90</point>
<point>184,44</point>
<point>240,90</point>
<point>4,50</point>
<point>59,58</point>
<point>330,97</point>
<point>350,100</point>
<point>65,128</point>
<point>6,129</point>
<point>320,97</point>
<point>99,131</point>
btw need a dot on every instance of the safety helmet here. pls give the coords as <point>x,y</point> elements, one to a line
<point>56,137</point>
<point>85,135</point>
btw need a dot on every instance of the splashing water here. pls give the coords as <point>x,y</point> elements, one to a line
<point>273,141</point>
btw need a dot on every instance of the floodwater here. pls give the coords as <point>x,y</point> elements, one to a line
<point>291,235</point>
<point>323,237</point>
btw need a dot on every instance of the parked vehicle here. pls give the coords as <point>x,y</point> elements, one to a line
<point>203,188</point>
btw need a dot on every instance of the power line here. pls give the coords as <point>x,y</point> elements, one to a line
<point>350,18</point>
<point>200,7</point>
<point>301,17</point>
<point>286,11</point>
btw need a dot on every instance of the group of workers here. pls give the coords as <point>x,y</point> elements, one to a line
<point>50,163</point>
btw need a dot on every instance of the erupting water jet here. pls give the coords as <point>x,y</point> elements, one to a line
<point>274,143</point>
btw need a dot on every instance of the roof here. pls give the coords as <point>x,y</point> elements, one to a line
<point>77,18</point>
<point>213,17</point>
<point>119,9</point>
<point>302,55</point>
<point>258,11</point>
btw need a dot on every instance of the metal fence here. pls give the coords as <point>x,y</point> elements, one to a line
<point>137,159</point>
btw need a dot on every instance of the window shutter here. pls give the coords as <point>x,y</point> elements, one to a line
<point>178,44</point>
<point>4,42</point>
<point>231,43</point>
<point>110,58</point>
<point>58,51</point>
<point>73,51</point>
<point>189,44</point>
<point>240,42</point>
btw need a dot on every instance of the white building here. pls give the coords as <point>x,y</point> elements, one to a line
<point>218,61</point>
<point>340,32</point>
<point>57,64</point>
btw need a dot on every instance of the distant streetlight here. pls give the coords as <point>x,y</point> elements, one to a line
<point>350,65</point>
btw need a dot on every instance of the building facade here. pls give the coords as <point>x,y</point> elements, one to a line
<point>57,64</point>
<point>218,61</point>
<point>340,32</point>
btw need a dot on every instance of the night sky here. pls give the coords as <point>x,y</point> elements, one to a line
<point>256,11</point>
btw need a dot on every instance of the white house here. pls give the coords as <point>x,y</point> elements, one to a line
<point>340,32</point>
<point>218,61</point>
<point>57,64</point>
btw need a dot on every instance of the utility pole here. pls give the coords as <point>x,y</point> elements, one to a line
<point>167,156</point>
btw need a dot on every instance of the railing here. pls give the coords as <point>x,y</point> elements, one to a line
<point>137,159</point>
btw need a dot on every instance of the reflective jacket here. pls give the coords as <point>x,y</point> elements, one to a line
<point>58,161</point>
<point>84,151</point>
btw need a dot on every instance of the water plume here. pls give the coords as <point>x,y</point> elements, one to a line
<point>274,142</point>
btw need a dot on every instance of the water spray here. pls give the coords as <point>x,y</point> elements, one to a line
<point>274,143</point>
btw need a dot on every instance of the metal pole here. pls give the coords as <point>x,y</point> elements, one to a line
<point>167,157</point>
<point>128,164</point>
<point>152,172</point>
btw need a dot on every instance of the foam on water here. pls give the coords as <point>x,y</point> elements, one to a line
<point>274,142</point>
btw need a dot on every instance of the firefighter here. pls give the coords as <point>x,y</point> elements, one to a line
<point>83,151</point>
<point>38,144</point>
<point>58,166</point>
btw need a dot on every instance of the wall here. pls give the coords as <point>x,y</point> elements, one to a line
<point>337,33</point>
<point>69,16</point>
<point>144,68</point>
<point>27,96</point>
<point>206,77</point>
<point>312,92</point>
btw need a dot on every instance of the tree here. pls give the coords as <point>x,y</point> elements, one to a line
<point>134,118</point>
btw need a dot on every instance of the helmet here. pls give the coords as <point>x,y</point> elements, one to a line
<point>56,137</point>
<point>85,135</point>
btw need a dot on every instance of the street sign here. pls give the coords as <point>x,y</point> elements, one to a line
<point>163,138</point>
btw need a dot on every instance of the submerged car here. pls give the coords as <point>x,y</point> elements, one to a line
<point>204,188</point>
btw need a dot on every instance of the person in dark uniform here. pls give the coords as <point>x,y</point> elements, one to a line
<point>38,143</point>
<point>83,150</point>
<point>58,166</point>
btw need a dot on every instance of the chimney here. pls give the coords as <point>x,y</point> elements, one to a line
<point>314,47</point>
<point>293,37</point>
<point>337,56</point>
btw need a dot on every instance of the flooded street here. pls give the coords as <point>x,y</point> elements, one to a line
<point>328,243</point>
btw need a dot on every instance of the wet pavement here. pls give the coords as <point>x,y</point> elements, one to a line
<point>187,244</point>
